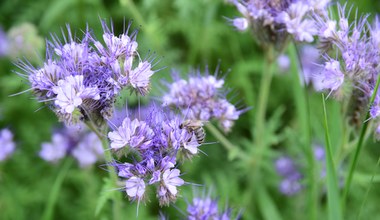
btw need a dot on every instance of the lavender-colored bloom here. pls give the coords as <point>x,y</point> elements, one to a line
<point>290,187</point>
<point>83,77</point>
<point>55,150</point>
<point>88,151</point>
<point>205,207</point>
<point>283,62</point>
<point>241,24</point>
<point>285,166</point>
<point>273,21</point>
<point>133,133</point>
<point>201,98</point>
<point>135,187</point>
<point>7,145</point>
<point>157,139</point>
<point>4,43</point>
<point>76,141</point>
<point>71,92</point>
<point>331,77</point>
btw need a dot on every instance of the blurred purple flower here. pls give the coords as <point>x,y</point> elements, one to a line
<point>273,21</point>
<point>76,141</point>
<point>4,43</point>
<point>7,145</point>
<point>200,97</point>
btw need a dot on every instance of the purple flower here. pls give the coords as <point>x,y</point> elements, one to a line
<point>157,140</point>
<point>135,187</point>
<point>201,98</point>
<point>273,21</point>
<point>88,151</point>
<point>205,207</point>
<point>283,62</point>
<point>7,145</point>
<point>133,133</point>
<point>76,141</point>
<point>4,43</point>
<point>56,150</point>
<point>285,166</point>
<point>290,187</point>
<point>331,77</point>
<point>83,77</point>
<point>71,92</point>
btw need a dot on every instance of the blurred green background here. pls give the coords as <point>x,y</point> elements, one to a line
<point>184,34</point>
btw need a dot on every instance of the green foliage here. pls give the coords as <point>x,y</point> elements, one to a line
<point>186,34</point>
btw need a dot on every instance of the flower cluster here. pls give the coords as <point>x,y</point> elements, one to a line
<point>81,77</point>
<point>205,207</point>
<point>272,21</point>
<point>354,47</point>
<point>7,145</point>
<point>286,167</point>
<point>200,97</point>
<point>76,141</point>
<point>151,146</point>
<point>351,54</point>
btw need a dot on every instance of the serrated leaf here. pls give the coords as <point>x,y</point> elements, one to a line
<point>105,195</point>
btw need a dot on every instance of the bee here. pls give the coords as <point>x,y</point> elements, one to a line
<point>196,127</point>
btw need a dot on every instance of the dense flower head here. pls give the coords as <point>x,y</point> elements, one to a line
<point>7,145</point>
<point>200,97</point>
<point>76,141</point>
<point>151,144</point>
<point>81,78</point>
<point>355,49</point>
<point>272,21</point>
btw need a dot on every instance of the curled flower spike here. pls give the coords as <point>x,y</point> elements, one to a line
<point>200,97</point>
<point>152,144</point>
<point>7,145</point>
<point>76,141</point>
<point>81,78</point>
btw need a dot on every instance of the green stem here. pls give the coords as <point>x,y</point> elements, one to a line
<point>369,188</point>
<point>265,83</point>
<point>259,126</point>
<point>334,210</point>
<point>56,188</point>
<point>233,150</point>
<point>303,112</point>
<point>116,197</point>
<point>359,146</point>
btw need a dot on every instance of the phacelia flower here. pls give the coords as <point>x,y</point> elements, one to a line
<point>274,21</point>
<point>76,141</point>
<point>201,97</point>
<point>206,207</point>
<point>152,143</point>
<point>331,77</point>
<point>291,174</point>
<point>81,78</point>
<point>7,145</point>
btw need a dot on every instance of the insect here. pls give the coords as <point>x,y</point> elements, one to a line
<point>195,126</point>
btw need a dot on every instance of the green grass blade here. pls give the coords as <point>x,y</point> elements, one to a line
<point>333,200</point>
<point>48,212</point>
<point>359,146</point>
<point>266,204</point>
<point>302,107</point>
